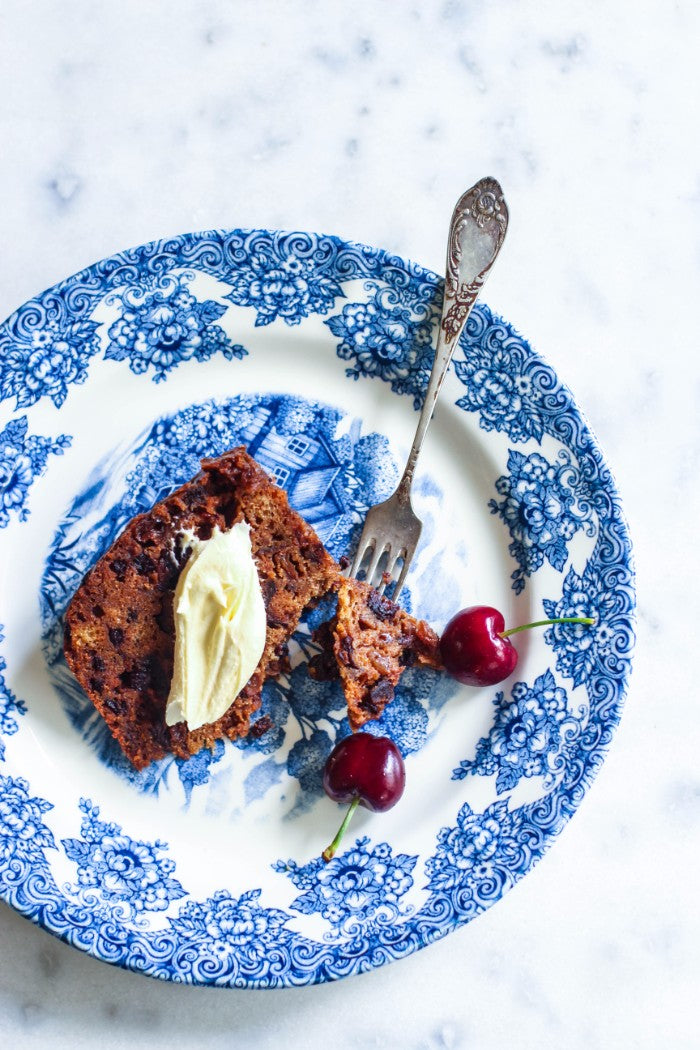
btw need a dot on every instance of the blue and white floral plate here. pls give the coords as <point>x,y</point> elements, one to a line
<point>315,354</point>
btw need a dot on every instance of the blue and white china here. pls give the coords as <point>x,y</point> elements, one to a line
<point>314,353</point>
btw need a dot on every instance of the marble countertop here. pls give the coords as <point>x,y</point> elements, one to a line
<point>124,122</point>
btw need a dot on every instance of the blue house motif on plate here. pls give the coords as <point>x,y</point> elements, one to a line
<point>306,467</point>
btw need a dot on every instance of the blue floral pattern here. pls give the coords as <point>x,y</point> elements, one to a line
<point>121,869</point>
<point>162,324</point>
<point>23,458</point>
<point>232,928</point>
<point>407,723</point>
<point>23,834</point>
<point>355,892</point>
<point>478,858</point>
<point>48,343</point>
<point>282,284</point>
<point>583,653</point>
<point>541,510</point>
<point>390,336</point>
<point>510,387</point>
<point>46,360</point>
<point>10,706</point>
<point>531,736</point>
<point>125,904</point>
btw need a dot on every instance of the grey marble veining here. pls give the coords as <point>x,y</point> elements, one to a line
<point>121,123</point>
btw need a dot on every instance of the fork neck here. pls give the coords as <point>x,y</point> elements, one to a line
<point>443,356</point>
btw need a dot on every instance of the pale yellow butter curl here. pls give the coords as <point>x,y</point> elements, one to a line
<point>220,627</point>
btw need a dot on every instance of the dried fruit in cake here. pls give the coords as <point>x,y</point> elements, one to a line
<point>372,641</point>
<point>119,631</point>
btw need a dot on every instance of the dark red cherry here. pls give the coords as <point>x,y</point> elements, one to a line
<point>363,770</point>
<point>367,767</point>
<point>475,646</point>
<point>473,649</point>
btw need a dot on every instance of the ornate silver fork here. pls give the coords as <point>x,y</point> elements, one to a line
<point>392,529</point>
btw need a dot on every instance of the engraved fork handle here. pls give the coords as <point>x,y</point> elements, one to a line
<point>478,227</point>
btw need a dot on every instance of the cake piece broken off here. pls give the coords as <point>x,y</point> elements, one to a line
<point>369,644</point>
<point>119,627</point>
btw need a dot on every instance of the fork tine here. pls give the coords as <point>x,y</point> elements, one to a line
<point>404,570</point>
<point>393,557</point>
<point>377,554</point>
<point>362,548</point>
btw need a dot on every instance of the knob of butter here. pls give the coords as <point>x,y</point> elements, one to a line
<point>220,627</point>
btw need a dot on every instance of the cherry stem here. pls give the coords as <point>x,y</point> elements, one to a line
<point>330,851</point>
<point>546,623</point>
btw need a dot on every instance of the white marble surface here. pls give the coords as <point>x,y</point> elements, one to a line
<point>125,121</point>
